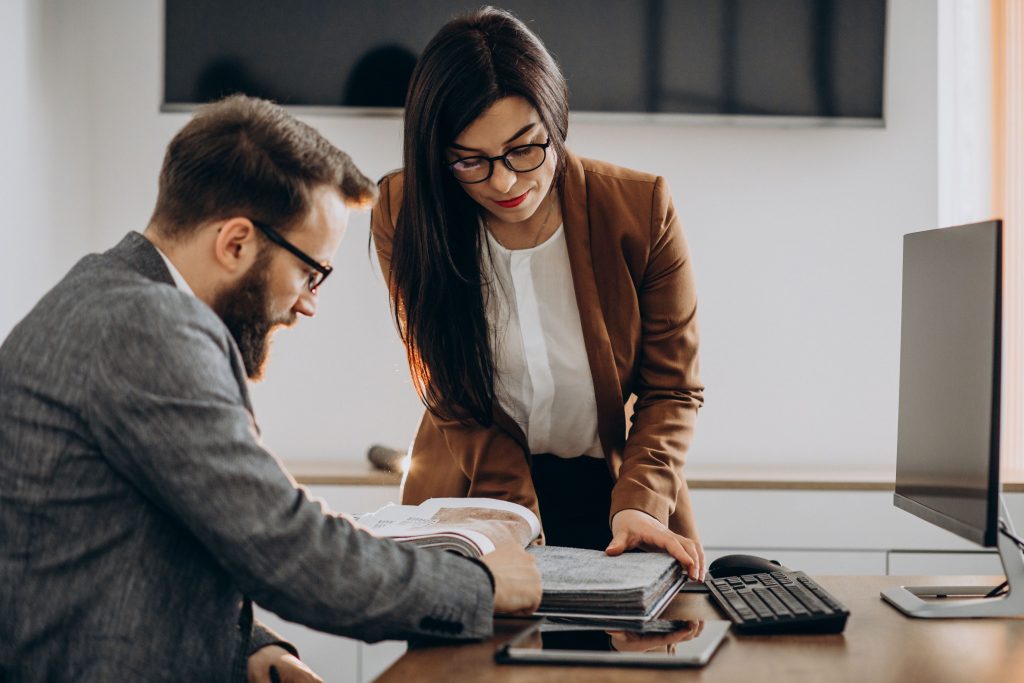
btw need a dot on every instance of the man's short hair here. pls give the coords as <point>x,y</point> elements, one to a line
<point>243,156</point>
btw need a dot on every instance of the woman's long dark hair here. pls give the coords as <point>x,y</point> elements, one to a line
<point>472,62</point>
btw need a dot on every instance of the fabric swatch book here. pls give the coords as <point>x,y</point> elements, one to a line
<point>579,584</point>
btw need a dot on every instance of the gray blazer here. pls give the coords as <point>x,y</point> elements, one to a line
<point>140,513</point>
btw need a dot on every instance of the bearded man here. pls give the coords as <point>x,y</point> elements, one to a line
<point>140,515</point>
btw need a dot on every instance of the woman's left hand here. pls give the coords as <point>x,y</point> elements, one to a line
<point>636,529</point>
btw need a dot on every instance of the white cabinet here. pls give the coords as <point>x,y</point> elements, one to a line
<point>376,658</point>
<point>936,563</point>
<point>814,520</point>
<point>836,532</point>
<point>337,659</point>
<point>814,562</point>
<point>355,500</point>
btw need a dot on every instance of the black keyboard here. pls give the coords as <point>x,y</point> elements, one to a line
<point>778,602</point>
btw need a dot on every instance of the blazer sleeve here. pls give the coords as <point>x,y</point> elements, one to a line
<point>167,410</point>
<point>493,461</point>
<point>667,385</point>
<point>263,635</point>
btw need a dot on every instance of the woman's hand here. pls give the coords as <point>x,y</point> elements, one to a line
<point>636,529</point>
<point>287,667</point>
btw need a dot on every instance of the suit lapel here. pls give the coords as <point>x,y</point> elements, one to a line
<point>579,242</point>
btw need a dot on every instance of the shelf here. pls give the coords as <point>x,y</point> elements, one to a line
<point>348,473</point>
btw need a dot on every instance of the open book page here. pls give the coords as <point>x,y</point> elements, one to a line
<point>472,526</point>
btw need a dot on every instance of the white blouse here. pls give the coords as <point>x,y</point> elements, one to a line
<point>543,378</point>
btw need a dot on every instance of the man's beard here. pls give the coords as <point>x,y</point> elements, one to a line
<point>245,310</point>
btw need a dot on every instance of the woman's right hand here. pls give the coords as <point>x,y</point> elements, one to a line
<point>637,529</point>
<point>517,587</point>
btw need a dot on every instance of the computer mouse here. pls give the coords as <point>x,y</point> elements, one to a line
<point>739,565</point>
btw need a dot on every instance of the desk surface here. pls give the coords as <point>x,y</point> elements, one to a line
<point>879,645</point>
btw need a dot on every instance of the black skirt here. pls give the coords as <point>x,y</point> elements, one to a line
<point>574,496</point>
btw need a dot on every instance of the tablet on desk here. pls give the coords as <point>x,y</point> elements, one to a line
<point>657,644</point>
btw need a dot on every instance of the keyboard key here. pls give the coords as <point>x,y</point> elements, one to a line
<point>774,603</point>
<point>757,604</point>
<point>789,601</point>
<point>812,603</point>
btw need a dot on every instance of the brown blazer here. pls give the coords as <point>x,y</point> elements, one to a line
<point>638,308</point>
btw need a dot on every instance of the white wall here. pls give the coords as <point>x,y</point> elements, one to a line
<point>44,190</point>
<point>17,35</point>
<point>27,235</point>
<point>796,236</point>
<point>965,114</point>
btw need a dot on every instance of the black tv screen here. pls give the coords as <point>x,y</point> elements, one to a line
<point>781,58</point>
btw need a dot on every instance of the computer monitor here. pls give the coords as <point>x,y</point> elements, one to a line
<point>947,454</point>
<point>947,459</point>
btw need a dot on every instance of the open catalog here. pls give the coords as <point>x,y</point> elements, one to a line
<point>468,526</point>
<point>585,584</point>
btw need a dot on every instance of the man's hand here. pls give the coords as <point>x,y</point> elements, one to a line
<point>289,668</point>
<point>516,580</point>
<point>636,529</point>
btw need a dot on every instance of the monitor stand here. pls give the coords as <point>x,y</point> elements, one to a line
<point>907,599</point>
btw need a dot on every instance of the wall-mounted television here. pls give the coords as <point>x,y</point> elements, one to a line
<point>814,60</point>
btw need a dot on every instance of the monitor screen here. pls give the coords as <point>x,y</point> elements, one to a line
<point>822,59</point>
<point>947,463</point>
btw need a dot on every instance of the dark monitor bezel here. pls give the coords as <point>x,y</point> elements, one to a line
<point>987,537</point>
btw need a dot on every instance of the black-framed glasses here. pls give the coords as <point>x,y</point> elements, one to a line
<point>521,159</point>
<point>320,271</point>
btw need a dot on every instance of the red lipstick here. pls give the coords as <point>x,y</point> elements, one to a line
<point>512,203</point>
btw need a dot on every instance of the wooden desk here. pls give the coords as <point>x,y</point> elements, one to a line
<point>879,645</point>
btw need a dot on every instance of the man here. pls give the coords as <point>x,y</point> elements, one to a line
<point>139,513</point>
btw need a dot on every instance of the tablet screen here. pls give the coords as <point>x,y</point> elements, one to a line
<point>658,643</point>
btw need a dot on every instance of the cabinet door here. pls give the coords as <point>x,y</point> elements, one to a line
<point>842,520</point>
<point>814,562</point>
<point>333,658</point>
<point>980,563</point>
<point>337,659</point>
<point>376,658</point>
<point>355,500</point>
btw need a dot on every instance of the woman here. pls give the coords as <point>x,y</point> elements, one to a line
<point>536,292</point>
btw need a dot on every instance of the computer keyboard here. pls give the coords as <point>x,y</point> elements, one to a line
<point>778,602</point>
